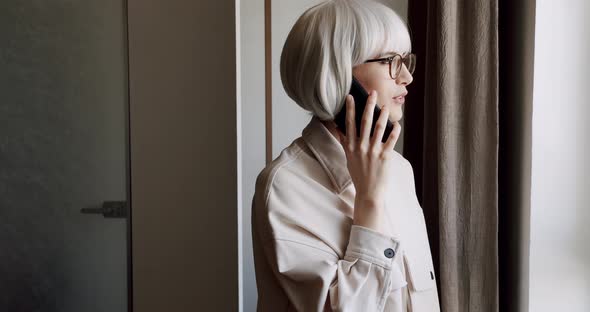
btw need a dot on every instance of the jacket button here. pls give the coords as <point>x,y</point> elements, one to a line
<point>389,253</point>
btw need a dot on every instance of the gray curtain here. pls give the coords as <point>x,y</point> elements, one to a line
<point>469,149</point>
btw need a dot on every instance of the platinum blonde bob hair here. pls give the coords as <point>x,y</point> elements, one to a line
<point>327,41</point>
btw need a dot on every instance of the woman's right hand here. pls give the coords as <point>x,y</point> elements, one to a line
<point>369,160</point>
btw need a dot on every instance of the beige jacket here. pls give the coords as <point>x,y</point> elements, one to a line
<point>309,257</point>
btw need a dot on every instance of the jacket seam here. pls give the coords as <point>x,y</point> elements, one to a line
<point>366,257</point>
<point>351,255</point>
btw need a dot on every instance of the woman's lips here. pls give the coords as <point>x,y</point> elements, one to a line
<point>399,99</point>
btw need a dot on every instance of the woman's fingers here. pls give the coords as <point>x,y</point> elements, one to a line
<point>393,137</point>
<point>380,127</point>
<point>366,139</point>
<point>367,120</point>
<point>350,124</point>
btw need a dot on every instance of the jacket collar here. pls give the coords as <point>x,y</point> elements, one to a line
<point>328,152</point>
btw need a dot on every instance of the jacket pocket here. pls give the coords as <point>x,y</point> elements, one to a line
<point>421,273</point>
<point>418,259</point>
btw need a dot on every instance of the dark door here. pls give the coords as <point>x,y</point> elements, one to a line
<point>64,185</point>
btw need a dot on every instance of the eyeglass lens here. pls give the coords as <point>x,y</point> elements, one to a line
<point>396,64</point>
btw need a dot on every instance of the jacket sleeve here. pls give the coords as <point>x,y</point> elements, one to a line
<point>315,278</point>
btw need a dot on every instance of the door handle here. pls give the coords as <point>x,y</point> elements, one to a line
<point>109,209</point>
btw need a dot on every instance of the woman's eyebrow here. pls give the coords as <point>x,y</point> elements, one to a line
<point>389,53</point>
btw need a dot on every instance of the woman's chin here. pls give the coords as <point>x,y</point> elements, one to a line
<point>395,116</point>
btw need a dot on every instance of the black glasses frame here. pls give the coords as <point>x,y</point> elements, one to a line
<point>409,61</point>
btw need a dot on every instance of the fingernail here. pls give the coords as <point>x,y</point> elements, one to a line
<point>374,92</point>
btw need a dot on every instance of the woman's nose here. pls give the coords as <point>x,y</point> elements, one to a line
<point>404,77</point>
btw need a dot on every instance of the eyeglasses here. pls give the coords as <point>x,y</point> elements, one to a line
<point>396,61</point>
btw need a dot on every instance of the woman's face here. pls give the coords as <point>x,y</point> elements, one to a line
<point>375,76</point>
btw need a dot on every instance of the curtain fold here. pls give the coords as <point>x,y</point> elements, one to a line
<point>459,135</point>
<point>516,46</point>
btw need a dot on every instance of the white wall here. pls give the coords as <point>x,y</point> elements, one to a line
<point>252,133</point>
<point>560,190</point>
<point>288,119</point>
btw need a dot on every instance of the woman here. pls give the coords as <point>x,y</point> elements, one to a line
<point>336,225</point>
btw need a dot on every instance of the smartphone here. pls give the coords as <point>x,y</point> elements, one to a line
<point>360,96</point>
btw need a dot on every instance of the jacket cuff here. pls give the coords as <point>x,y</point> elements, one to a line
<point>372,246</point>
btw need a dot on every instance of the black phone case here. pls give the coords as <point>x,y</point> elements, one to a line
<point>360,96</point>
